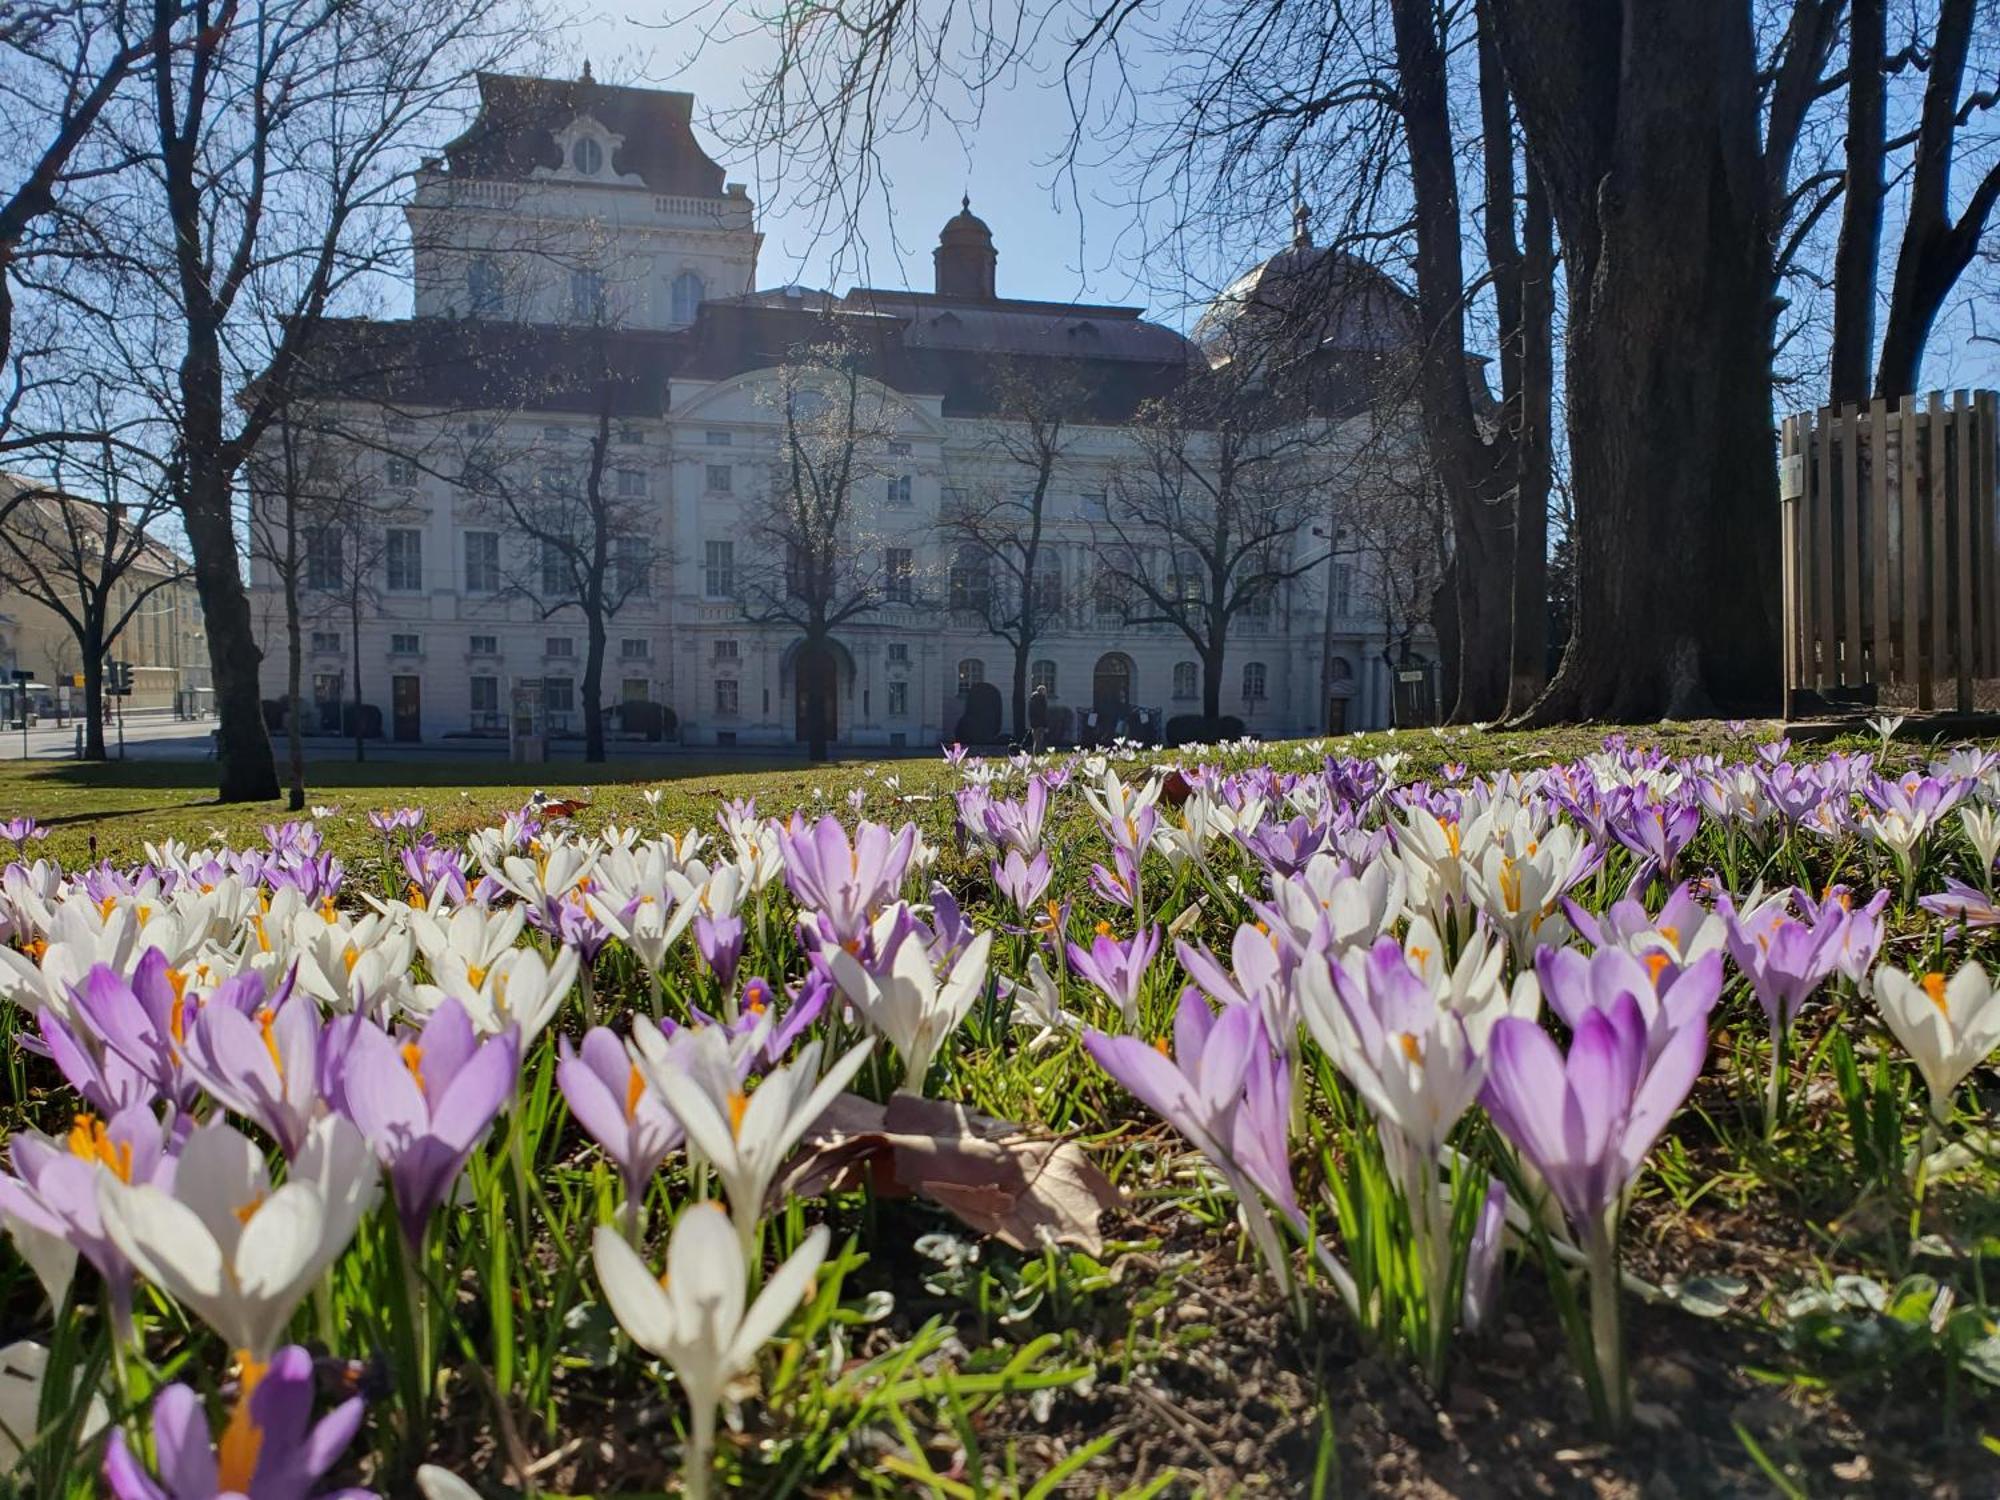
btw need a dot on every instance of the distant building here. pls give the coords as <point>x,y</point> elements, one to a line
<point>163,640</point>
<point>578,227</point>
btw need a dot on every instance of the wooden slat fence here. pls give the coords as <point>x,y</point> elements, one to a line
<point>1891,548</point>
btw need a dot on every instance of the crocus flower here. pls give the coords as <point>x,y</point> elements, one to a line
<point>1963,903</point>
<point>1577,985</point>
<point>1949,1027</point>
<point>225,1245</point>
<point>1117,969</point>
<point>1022,881</point>
<point>1784,959</point>
<point>424,1102</point>
<point>1258,980</point>
<point>49,1202</point>
<point>904,1001</point>
<point>1118,885</point>
<point>264,1067</point>
<point>698,1317</point>
<point>22,832</point>
<point>745,1138</point>
<point>400,820</point>
<point>719,940</point>
<point>271,1448</point>
<point>847,883</point>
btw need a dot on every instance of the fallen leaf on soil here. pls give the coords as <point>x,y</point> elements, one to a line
<point>994,1175</point>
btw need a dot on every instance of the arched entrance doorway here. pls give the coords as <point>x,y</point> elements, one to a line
<point>816,694</point>
<point>1111,683</point>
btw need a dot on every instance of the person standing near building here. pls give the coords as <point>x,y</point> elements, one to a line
<point>1038,718</point>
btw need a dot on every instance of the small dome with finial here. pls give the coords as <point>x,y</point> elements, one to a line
<point>965,259</point>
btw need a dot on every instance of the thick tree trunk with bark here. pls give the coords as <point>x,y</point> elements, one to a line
<point>245,768</point>
<point>1021,649</point>
<point>1642,121</point>
<point>93,697</point>
<point>1860,247</point>
<point>1211,686</point>
<point>1529,672</point>
<point>360,718</point>
<point>593,685</point>
<point>295,705</point>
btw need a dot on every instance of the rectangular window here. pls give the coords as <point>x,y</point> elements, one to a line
<point>405,559</point>
<point>969,580</point>
<point>327,695</point>
<point>720,566</point>
<point>404,645</point>
<point>635,690</point>
<point>899,450</point>
<point>482,562</point>
<point>485,703</point>
<point>632,565</point>
<point>899,699</point>
<point>401,472</point>
<point>558,645</point>
<point>971,672</point>
<point>725,650</point>
<point>326,640</point>
<point>631,484</point>
<point>323,560</point>
<point>558,700</point>
<point>1253,681</point>
<point>555,571</point>
<point>485,645</point>
<point>633,648</point>
<point>1043,675</point>
<point>586,296</point>
<point>1093,505</point>
<point>1343,588</point>
<point>725,695</point>
<point>899,653</point>
<point>899,570</point>
<point>899,490</point>
<point>555,434</point>
<point>721,479</point>
<point>630,437</point>
<point>716,438</point>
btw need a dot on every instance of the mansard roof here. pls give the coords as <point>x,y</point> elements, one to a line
<point>515,132</point>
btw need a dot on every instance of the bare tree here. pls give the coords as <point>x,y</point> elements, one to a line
<point>1214,514</point>
<point>1000,527</point>
<point>818,560</point>
<point>251,189</point>
<point>582,528</point>
<point>94,563</point>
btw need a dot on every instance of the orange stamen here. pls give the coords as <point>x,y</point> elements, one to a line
<point>242,1440</point>
<point>413,1059</point>
<point>1934,987</point>
<point>738,1103</point>
<point>265,1016</point>
<point>89,1140</point>
<point>635,1090</point>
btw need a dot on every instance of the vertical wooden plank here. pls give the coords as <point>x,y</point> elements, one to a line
<point>1961,595</point>
<point>1802,574</point>
<point>1826,633</point>
<point>1850,546</point>
<point>1881,556</point>
<point>1937,595</point>
<point>1909,616</point>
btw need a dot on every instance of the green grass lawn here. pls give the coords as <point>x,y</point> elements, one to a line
<point>123,805</point>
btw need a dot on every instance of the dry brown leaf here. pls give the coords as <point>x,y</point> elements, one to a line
<point>996,1177</point>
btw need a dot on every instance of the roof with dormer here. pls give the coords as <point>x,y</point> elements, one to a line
<point>519,120</point>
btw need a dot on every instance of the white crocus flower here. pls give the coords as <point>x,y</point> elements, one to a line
<point>1038,1003</point>
<point>906,1004</point>
<point>698,1317</point>
<point>23,1368</point>
<point>460,945</point>
<point>745,1138</point>
<point>550,875</point>
<point>345,964</point>
<point>1473,988</point>
<point>1948,1028</point>
<point>1982,827</point>
<point>228,1248</point>
<point>1117,804</point>
<point>518,988</point>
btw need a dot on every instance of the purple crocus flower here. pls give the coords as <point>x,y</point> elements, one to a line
<point>1258,980</point>
<point>1017,825</point>
<point>1854,952</point>
<point>22,831</point>
<point>1119,885</point>
<point>846,882</point>
<point>612,1101</point>
<point>271,1448</point>
<point>719,940</point>
<point>1654,829</point>
<point>52,1195</point>
<point>1117,969</point>
<point>263,1066</point>
<point>403,819</point>
<point>1784,959</point>
<point>1577,986</point>
<point>1964,903</point>
<point>1585,1122</point>
<point>424,1102</point>
<point>1023,881</point>
<point>432,869</point>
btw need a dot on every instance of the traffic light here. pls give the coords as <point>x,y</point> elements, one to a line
<point>118,682</point>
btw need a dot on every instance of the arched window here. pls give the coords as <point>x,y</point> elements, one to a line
<point>1043,675</point>
<point>482,287</point>
<point>970,672</point>
<point>1340,669</point>
<point>1253,681</point>
<point>587,156</point>
<point>1187,679</point>
<point>688,292</point>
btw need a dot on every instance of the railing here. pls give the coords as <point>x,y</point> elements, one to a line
<point>1891,549</point>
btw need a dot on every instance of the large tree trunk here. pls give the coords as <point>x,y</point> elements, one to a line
<point>93,699</point>
<point>1529,672</point>
<point>245,768</point>
<point>1856,258</point>
<point>295,742</point>
<point>593,687</point>
<point>1211,688</point>
<point>1642,121</point>
<point>1483,567</point>
<point>1022,646</point>
<point>360,717</point>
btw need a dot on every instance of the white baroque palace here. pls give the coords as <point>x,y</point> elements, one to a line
<point>582,268</point>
